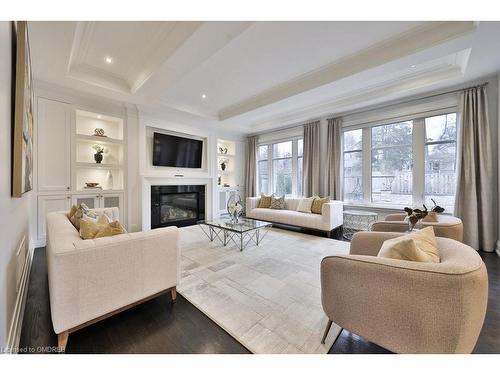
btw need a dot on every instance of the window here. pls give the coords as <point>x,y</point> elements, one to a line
<point>399,164</point>
<point>280,168</point>
<point>353,181</point>
<point>300,154</point>
<point>440,160</point>
<point>392,165</point>
<point>263,176</point>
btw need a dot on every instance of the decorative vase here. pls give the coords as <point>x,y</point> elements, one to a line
<point>223,166</point>
<point>98,157</point>
<point>109,180</point>
<point>412,221</point>
<point>234,207</point>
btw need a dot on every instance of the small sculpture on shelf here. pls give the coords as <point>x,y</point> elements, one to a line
<point>222,150</point>
<point>99,132</point>
<point>234,207</point>
<point>223,164</point>
<point>99,151</point>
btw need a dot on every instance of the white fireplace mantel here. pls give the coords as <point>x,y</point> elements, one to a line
<point>148,181</point>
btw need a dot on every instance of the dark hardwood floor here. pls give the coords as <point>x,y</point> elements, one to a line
<point>158,327</point>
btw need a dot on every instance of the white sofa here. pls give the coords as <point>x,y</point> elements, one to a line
<point>331,217</point>
<point>90,280</point>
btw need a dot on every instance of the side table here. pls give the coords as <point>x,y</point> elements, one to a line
<point>355,221</point>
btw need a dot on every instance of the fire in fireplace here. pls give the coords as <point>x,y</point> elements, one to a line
<point>178,205</point>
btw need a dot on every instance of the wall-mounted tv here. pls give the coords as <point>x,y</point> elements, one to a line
<point>172,151</point>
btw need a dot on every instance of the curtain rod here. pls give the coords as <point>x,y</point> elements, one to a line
<point>410,100</point>
<point>296,125</point>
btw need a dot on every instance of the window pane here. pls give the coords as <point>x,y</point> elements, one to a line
<point>300,147</point>
<point>353,140</point>
<point>392,175</point>
<point>262,152</point>
<point>353,181</point>
<point>263,177</point>
<point>282,150</point>
<point>299,176</point>
<point>392,134</point>
<point>282,170</point>
<point>441,128</point>
<point>440,175</point>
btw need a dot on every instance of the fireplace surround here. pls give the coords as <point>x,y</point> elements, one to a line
<point>179,205</point>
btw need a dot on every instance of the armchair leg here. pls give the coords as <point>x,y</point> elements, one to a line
<point>173,294</point>
<point>328,326</point>
<point>62,341</point>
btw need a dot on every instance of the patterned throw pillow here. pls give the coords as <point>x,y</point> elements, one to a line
<point>318,203</point>
<point>277,203</point>
<point>78,215</point>
<point>265,200</point>
<point>305,205</point>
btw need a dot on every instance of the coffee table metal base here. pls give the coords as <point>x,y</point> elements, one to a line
<point>240,239</point>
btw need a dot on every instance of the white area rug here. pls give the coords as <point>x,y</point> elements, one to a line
<point>267,297</point>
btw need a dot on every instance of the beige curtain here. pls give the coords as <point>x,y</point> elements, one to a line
<point>476,193</point>
<point>310,161</point>
<point>251,170</point>
<point>334,155</point>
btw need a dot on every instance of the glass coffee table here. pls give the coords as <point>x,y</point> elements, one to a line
<point>242,233</point>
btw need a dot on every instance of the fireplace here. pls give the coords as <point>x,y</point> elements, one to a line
<point>178,205</point>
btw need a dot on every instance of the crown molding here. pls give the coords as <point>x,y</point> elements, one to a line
<point>411,42</point>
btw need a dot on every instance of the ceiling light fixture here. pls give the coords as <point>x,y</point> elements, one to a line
<point>203,96</point>
<point>413,66</point>
<point>99,117</point>
<point>108,59</point>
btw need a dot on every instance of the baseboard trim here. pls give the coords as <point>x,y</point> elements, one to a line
<point>16,322</point>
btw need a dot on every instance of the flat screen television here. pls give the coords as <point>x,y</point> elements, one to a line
<point>172,151</point>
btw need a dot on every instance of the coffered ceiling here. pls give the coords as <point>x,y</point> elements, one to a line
<point>251,76</point>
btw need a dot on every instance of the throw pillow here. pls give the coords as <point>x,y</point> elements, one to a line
<point>265,200</point>
<point>71,211</point>
<point>417,247</point>
<point>318,203</point>
<point>277,203</point>
<point>101,228</point>
<point>430,218</point>
<point>78,215</point>
<point>305,205</point>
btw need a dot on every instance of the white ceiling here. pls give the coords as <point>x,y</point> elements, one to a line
<point>260,75</point>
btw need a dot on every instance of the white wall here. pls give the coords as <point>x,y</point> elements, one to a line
<point>14,218</point>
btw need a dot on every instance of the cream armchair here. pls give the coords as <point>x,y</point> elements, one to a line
<point>447,226</point>
<point>403,306</point>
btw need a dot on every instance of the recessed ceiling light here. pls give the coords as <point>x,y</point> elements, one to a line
<point>99,117</point>
<point>108,59</point>
<point>413,66</point>
<point>203,96</point>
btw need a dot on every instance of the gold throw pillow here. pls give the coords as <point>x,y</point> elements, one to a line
<point>111,229</point>
<point>90,228</point>
<point>265,200</point>
<point>420,246</point>
<point>71,211</point>
<point>318,203</point>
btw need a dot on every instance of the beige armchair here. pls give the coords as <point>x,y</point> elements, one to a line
<point>403,306</point>
<point>447,226</point>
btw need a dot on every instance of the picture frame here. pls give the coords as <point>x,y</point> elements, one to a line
<point>23,124</point>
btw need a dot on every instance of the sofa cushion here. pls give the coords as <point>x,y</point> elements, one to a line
<point>420,246</point>
<point>289,217</point>
<point>277,203</point>
<point>305,205</point>
<point>265,200</point>
<point>318,203</point>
